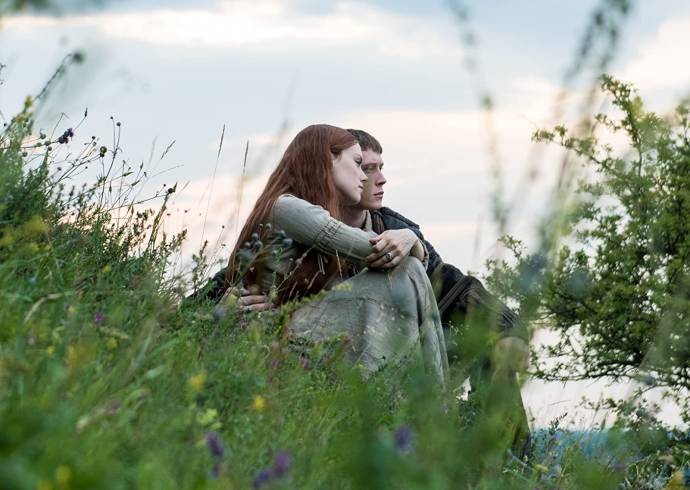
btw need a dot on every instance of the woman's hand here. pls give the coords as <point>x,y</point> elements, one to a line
<point>390,247</point>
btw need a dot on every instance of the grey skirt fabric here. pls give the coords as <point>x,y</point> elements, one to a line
<point>388,316</point>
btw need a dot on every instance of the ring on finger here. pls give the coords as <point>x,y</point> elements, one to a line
<point>389,256</point>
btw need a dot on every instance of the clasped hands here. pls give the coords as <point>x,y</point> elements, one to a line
<point>389,249</point>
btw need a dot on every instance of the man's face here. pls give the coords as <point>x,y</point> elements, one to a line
<point>372,195</point>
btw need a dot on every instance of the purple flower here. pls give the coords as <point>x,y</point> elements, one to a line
<point>262,477</point>
<point>281,463</point>
<point>304,361</point>
<point>64,138</point>
<point>403,438</point>
<point>215,445</point>
<point>98,318</point>
<point>280,468</point>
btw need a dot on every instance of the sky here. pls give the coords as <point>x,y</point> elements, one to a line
<point>179,71</point>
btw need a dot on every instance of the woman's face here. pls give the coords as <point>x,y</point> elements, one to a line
<point>348,175</point>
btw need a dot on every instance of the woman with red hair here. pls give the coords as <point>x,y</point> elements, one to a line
<point>294,246</point>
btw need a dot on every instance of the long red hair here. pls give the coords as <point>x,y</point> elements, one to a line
<point>305,171</point>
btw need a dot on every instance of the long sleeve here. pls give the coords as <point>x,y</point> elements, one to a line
<point>312,225</point>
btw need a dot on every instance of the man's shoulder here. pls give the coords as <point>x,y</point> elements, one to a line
<point>388,216</point>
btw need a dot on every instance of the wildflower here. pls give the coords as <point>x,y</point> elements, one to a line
<point>107,268</point>
<point>102,151</point>
<point>304,361</point>
<point>402,438</point>
<point>35,227</point>
<point>44,485</point>
<point>63,475</point>
<point>196,382</point>
<point>98,318</point>
<point>28,102</point>
<point>281,463</point>
<point>215,445</point>
<point>111,343</point>
<point>261,478</point>
<point>74,356</point>
<point>208,418</point>
<point>259,403</point>
<point>64,138</point>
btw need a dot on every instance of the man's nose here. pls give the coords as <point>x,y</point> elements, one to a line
<point>380,179</point>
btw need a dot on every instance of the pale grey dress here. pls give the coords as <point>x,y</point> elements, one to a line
<point>388,315</point>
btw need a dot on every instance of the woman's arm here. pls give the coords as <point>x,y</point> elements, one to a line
<point>312,225</point>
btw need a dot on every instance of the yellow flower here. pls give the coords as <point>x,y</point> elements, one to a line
<point>63,475</point>
<point>28,102</point>
<point>50,349</point>
<point>196,382</point>
<point>207,417</point>
<point>259,403</point>
<point>111,343</point>
<point>72,356</point>
<point>35,227</point>
<point>71,310</point>
<point>77,356</point>
<point>44,485</point>
<point>7,237</point>
<point>107,268</point>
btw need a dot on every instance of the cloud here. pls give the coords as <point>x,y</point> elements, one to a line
<point>270,24</point>
<point>661,61</point>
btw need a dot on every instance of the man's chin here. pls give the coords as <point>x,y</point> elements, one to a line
<point>371,205</point>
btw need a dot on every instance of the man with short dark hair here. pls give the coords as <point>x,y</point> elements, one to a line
<point>471,316</point>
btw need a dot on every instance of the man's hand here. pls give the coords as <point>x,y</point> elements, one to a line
<point>246,300</point>
<point>254,302</point>
<point>391,247</point>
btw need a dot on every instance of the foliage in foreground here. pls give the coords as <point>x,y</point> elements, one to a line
<point>107,382</point>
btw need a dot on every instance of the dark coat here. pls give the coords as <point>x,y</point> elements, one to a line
<point>457,294</point>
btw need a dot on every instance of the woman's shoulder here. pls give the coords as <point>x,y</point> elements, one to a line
<point>292,202</point>
<point>287,197</point>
